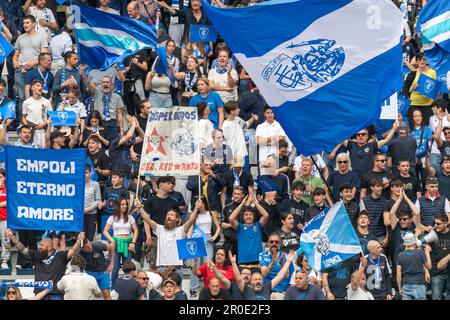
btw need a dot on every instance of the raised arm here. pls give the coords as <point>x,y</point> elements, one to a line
<point>20,247</point>
<point>226,282</point>
<point>264,214</point>
<point>145,216</point>
<point>388,138</point>
<point>240,282</point>
<point>235,213</point>
<point>192,217</point>
<point>356,279</point>
<point>76,246</point>
<point>282,273</point>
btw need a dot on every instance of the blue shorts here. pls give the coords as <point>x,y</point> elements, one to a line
<point>103,279</point>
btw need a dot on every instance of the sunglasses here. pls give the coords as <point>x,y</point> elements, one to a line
<point>438,223</point>
<point>342,162</point>
<point>361,134</point>
<point>381,160</point>
<point>12,292</point>
<point>403,219</point>
<point>146,279</point>
<point>274,241</point>
<point>446,133</point>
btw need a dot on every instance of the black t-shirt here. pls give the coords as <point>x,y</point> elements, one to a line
<point>352,210</point>
<point>230,234</point>
<point>245,180</point>
<point>383,176</point>
<point>403,148</point>
<point>439,250</point>
<point>250,294</point>
<point>120,156</point>
<point>339,277</point>
<point>95,260</point>
<point>390,203</point>
<point>399,232</point>
<point>135,72</point>
<point>157,208</point>
<point>297,209</point>
<point>378,276</point>
<point>100,160</point>
<point>313,211</point>
<point>364,239</point>
<point>274,212</point>
<point>289,240</point>
<point>412,262</point>
<point>205,294</point>
<point>154,295</point>
<point>361,156</point>
<point>236,294</point>
<point>410,185</point>
<point>444,184</point>
<point>128,289</point>
<point>52,267</point>
<point>143,124</point>
<point>445,149</point>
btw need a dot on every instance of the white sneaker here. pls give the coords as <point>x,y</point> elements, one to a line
<point>5,266</point>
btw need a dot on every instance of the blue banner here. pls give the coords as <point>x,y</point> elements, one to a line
<point>45,188</point>
<point>198,233</point>
<point>429,87</point>
<point>266,184</point>
<point>403,105</point>
<point>8,110</point>
<point>63,118</point>
<point>5,49</point>
<point>162,65</point>
<point>61,2</point>
<point>191,248</point>
<point>29,284</point>
<point>442,78</point>
<point>202,33</point>
<point>329,238</point>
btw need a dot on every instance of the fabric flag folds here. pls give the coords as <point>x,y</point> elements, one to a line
<point>104,38</point>
<point>325,65</point>
<point>434,26</point>
<point>329,238</point>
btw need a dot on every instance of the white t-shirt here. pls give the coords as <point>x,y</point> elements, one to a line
<point>233,132</point>
<point>205,129</point>
<point>78,286</point>
<point>266,130</point>
<point>434,121</point>
<point>315,171</point>
<point>120,227</point>
<point>167,251</point>
<point>222,80</point>
<point>45,14</point>
<point>204,222</point>
<point>79,108</point>
<point>36,111</point>
<point>358,294</point>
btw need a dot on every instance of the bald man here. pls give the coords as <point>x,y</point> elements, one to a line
<point>49,264</point>
<point>214,291</point>
<point>378,272</point>
<point>133,11</point>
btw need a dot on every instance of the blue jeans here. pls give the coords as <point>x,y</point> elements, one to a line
<point>159,100</point>
<point>19,84</point>
<point>119,260</point>
<point>194,282</point>
<point>414,292</point>
<point>111,129</point>
<point>438,286</point>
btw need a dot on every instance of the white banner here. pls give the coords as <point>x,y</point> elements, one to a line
<point>171,143</point>
<point>389,109</point>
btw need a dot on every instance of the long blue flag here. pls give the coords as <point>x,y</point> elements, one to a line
<point>104,38</point>
<point>314,64</point>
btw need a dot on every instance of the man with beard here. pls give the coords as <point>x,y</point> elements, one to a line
<point>49,264</point>
<point>168,234</point>
<point>229,233</point>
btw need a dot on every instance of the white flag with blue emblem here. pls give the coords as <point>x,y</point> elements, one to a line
<point>329,238</point>
<point>104,38</point>
<point>326,65</point>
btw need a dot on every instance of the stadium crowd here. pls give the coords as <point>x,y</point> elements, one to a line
<point>393,177</point>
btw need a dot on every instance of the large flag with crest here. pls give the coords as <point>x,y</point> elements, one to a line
<point>325,65</point>
<point>104,38</point>
<point>329,238</point>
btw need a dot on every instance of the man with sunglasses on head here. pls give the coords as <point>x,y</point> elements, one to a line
<point>378,172</point>
<point>362,150</point>
<point>435,252</point>
<point>431,204</point>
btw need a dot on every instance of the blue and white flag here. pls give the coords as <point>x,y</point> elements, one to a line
<point>61,2</point>
<point>266,184</point>
<point>104,38</point>
<point>8,110</point>
<point>28,284</point>
<point>5,49</point>
<point>191,248</point>
<point>442,78</point>
<point>434,26</point>
<point>329,238</point>
<point>428,86</point>
<point>63,118</point>
<point>324,65</point>
<point>45,188</point>
<point>403,105</point>
<point>198,233</point>
<point>202,33</point>
<point>162,65</point>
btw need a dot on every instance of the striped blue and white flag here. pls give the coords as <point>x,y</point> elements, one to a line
<point>329,238</point>
<point>326,65</point>
<point>104,39</point>
<point>434,26</point>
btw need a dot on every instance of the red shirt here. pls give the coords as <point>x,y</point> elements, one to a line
<point>205,273</point>
<point>3,198</point>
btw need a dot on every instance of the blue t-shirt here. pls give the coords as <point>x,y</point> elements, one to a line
<point>264,260</point>
<point>214,103</point>
<point>422,148</point>
<point>46,77</point>
<point>249,242</point>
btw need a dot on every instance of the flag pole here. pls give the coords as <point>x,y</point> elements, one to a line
<point>323,178</point>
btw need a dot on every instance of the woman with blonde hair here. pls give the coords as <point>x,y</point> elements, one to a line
<point>343,174</point>
<point>13,293</point>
